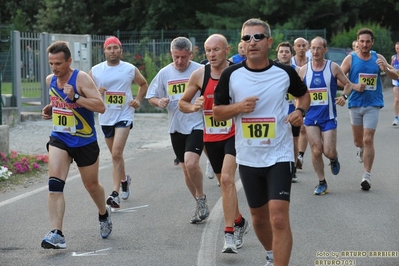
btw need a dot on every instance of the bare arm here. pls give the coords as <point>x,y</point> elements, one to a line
<point>142,91</point>
<point>47,110</point>
<point>89,95</point>
<point>194,85</point>
<point>296,117</point>
<point>388,69</point>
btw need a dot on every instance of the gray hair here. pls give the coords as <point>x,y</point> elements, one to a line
<point>257,22</point>
<point>181,43</point>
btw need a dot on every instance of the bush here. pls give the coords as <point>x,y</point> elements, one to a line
<point>383,43</point>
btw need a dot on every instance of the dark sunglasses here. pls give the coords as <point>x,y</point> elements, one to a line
<point>257,37</point>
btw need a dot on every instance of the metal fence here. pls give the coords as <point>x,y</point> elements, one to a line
<point>24,61</point>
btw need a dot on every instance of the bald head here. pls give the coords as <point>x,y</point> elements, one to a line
<point>300,40</point>
<point>216,38</point>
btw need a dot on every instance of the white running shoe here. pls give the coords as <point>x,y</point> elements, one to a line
<point>126,188</point>
<point>359,154</point>
<point>229,244</point>
<point>366,182</point>
<point>209,170</point>
<point>395,121</point>
<point>106,225</point>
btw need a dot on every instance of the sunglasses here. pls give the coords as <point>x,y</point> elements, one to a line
<point>257,37</point>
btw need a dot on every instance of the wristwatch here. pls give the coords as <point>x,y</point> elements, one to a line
<point>302,110</point>
<point>345,96</point>
<point>76,97</point>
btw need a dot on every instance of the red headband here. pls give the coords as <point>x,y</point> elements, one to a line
<point>112,40</point>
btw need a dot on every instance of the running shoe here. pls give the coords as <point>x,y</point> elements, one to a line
<point>335,166</point>
<point>321,189</point>
<point>209,170</point>
<point>126,188</point>
<point>294,179</point>
<point>106,225</point>
<point>203,211</point>
<point>395,121</point>
<point>239,233</point>
<point>269,262</point>
<point>176,161</point>
<point>229,244</point>
<point>299,162</point>
<point>53,240</point>
<point>359,154</point>
<point>114,201</point>
<point>195,219</point>
<point>366,182</point>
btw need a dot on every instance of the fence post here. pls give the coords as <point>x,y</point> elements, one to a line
<point>44,43</point>
<point>16,84</point>
<point>1,81</point>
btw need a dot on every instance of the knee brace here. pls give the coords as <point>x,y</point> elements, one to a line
<point>56,184</point>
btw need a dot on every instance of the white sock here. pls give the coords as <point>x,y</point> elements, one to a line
<point>269,254</point>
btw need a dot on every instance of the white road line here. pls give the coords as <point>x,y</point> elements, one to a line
<point>133,209</point>
<point>44,188</point>
<point>91,253</point>
<point>207,252</point>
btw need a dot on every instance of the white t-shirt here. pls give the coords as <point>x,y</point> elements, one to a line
<point>263,138</point>
<point>117,80</point>
<point>171,83</point>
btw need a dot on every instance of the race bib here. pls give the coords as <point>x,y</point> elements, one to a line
<point>290,98</point>
<point>176,89</point>
<point>63,121</point>
<point>258,131</point>
<point>370,80</point>
<point>114,100</point>
<point>216,127</point>
<point>318,96</point>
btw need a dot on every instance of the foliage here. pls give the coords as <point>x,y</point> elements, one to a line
<point>19,163</point>
<point>383,43</point>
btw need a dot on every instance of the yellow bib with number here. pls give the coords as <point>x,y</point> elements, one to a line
<point>258,131</point>
<point>370,80</point>
<point>176,89</point>
<point>215,127</point>
<point>63,121</point>
<point>318,96</point>
<point>114,100</point>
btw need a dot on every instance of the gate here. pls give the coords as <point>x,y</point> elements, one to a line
<point>31,72</point>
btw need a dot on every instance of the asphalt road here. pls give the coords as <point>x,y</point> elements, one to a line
<point>348,226</point>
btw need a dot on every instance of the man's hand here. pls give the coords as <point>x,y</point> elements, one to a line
<point>163,102</point>
<point>134,103</point>
<point>248,104</point>
<point>102,90</point>
<point>47,112</point>
<point>295,118</point>
<point>199,103</point>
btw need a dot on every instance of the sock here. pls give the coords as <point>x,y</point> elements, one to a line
<point>114,194</point>
<point>229,230</point>
<point>322,182</point>
<point>56,231</point>
<point>240,221</point>
<point>334,160</point>
<point>103,217</point>
<point>301,153</point>
<point>269,255</point>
